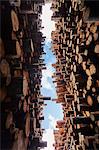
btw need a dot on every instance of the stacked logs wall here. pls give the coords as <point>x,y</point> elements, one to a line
<point>20,72</point>
<point>76,47</point>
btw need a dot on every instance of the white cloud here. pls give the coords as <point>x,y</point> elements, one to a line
<point>48,134</point>
<point>46,74</point>
<point>46,84</point>
<point>49,137</point>
<point>52,122</point>
<point>49,25</point>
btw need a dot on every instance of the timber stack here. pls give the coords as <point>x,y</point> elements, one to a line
<point>75,43</point>
<point>21,65</point>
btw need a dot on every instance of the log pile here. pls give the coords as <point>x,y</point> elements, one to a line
<point>75,43</point>
<point>21,44</point>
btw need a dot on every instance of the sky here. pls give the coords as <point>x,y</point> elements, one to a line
<point>53,111</point>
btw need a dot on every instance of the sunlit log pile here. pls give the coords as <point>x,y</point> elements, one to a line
<point>21,64</point>
<point>75,43</point>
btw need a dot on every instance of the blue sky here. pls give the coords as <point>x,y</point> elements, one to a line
<point>53,111</point>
